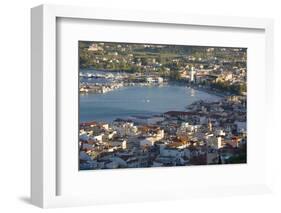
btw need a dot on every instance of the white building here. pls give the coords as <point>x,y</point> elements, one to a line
<point>220,132</point>
<point>215,142</point>
<point>192,74</point>
<point>98,138</point>
<point>228,76</point>
<point>186,127</point>
<point>160,134</point>
<point>105,126</point>
<point>148,141</point>
<point>160,80</point>
<point>126,128</point>
<point>110,135</point>
<point>149,80</point>
<point>119,143</point>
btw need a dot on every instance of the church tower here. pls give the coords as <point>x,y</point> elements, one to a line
<point>192,74</point>
<point>210,126</point>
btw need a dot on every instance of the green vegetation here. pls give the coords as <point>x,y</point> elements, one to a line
<point>240,158</point>
<point>165,61</point>
<point>233,88</point>
<point>121,56</point>
<point>174,75</point>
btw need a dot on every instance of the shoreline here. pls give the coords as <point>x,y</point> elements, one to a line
<point>184,109</point>
<point>169,82</point>
<point>216,93</point>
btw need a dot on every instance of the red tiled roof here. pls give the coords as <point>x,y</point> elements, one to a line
<point>88,123</point>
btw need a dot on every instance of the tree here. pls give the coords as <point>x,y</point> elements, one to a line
<point>174,75</point>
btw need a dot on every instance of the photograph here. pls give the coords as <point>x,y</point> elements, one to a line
<point>147,105</point>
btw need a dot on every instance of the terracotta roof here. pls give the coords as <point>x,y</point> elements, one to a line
<point>88,123</point>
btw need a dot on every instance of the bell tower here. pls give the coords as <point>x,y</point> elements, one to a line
<point>210,126</point>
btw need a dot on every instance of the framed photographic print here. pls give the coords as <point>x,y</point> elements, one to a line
<point>159,105</point>
<point>130,106</point>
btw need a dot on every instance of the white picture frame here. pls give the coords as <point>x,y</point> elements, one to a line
<point>44,154</point>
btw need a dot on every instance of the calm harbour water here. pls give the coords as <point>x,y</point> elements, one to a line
<point>132,101</point>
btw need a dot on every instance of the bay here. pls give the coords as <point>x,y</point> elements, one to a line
<point>139,101</point>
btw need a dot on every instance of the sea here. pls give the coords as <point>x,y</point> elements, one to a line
<point>138,101</point>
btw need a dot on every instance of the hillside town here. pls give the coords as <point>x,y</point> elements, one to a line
<point>204,133</point>
<point>209,133</point>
